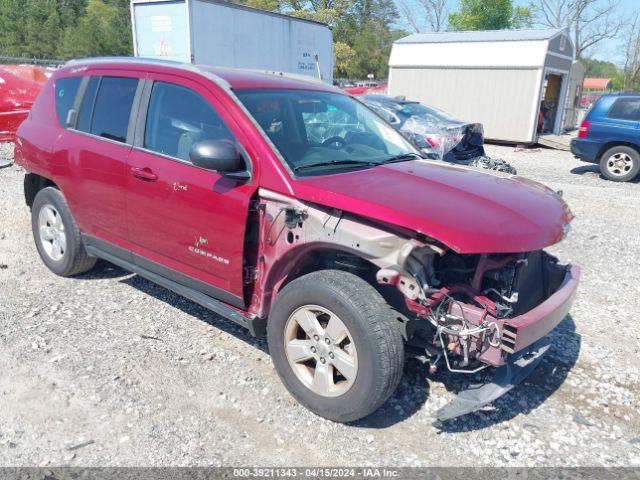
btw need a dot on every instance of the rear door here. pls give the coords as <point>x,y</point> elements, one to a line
<point>186,223</point>
<point>97,145</point>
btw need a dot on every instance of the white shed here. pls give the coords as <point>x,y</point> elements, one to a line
<point>515,82</point>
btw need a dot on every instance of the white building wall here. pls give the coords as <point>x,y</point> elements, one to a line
<point>503,100</point>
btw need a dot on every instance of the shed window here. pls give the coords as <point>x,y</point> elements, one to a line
<point>563,42</point>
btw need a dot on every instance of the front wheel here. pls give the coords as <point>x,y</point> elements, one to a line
<point>620,164</point>
<point>335,344</point>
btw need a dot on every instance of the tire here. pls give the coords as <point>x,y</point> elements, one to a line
<point>620,164</point>
<point>373,344</point>
<point>57,235</point>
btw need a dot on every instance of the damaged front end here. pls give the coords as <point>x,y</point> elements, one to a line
<point>463,312</point>
<point>483,310</point>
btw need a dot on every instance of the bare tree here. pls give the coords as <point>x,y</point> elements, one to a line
<point>589,21</point>
<point>421,15</point>
<point>632,53</point>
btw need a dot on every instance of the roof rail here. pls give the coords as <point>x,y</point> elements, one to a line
<point>293,76</point>
<point>157,61</point>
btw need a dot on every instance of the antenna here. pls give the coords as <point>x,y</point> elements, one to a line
<point>315,55</point>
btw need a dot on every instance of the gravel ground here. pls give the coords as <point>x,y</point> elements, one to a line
<point>109,369</point>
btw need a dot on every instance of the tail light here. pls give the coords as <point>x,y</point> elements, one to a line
<point>584,129</point>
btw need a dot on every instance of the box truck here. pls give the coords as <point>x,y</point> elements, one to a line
<point>213,32</point>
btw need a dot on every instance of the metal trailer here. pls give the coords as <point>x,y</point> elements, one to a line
<point>502,79</point>
<point>219,33</point>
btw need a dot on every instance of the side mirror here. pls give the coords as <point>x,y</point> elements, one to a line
<point>218,155</point>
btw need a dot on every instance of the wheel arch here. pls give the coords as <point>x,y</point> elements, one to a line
<point>616,143</point>
<point>316,256</point>
<point>33,183</point>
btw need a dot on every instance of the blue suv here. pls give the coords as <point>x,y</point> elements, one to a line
<point>610,136</point>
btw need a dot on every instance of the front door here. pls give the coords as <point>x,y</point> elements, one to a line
<point>185,222</point>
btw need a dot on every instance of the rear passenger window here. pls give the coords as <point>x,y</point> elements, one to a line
<point>66,90</point>
<point>84,115</point>
<point>625,109</point>
<point>112,108</point>
<point>177,118</point>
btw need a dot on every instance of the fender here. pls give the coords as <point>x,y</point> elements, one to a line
<point>291,229</point>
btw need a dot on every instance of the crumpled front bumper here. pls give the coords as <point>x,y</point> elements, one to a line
<point>524,344</point>
<point>521,331</point>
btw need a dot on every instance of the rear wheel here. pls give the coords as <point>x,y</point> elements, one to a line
<point>620,164</point>
<point>335,344</point>
<point>57,235</point>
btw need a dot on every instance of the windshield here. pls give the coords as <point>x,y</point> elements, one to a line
<point>324,132</point>
<point>428,113</point>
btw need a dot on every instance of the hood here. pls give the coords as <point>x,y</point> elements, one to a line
<point>466,209</point>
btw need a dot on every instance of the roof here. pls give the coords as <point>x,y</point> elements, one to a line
<point>228,4</point>
<point>597,84</point>
<point>483,36</point>
<point>234,78</point>
<point>496,49</point>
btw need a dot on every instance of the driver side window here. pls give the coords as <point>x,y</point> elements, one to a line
<point>179,117</point>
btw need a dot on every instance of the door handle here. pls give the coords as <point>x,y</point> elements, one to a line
<point>144,173</point>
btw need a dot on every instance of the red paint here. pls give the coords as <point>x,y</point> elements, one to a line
<point>127,196</point>
<point>17,94</point>
<point>466,209</point>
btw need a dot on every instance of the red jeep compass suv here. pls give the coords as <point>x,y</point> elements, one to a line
<point>291,208</point>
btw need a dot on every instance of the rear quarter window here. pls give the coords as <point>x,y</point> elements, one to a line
<point>625,109</point>
<point>66,91</point>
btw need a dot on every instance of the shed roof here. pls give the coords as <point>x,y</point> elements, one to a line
<point>483,49</point>
<point>597,83</point>
<point>483,36</point>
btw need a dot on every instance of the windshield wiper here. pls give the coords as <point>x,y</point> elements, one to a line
<point>366,163</point>
<point>403,157</point>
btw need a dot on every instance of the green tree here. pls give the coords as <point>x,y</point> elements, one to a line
<point>12,31</point>
<point>489,15</point>
<point>268,5</point>
<point>102,30</point>
<point>42,29</point>
<point>344,63</point>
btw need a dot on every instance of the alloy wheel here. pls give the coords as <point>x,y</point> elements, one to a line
<point>320,351</point>
<point>51,230</point>
<point>619,164</point>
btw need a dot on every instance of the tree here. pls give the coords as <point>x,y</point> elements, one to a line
<point>102,30</point>
<point>344,64</point>
<point>489,15</point>
<point>364,26</point>
<point>42,29</point>
<point>631,69</point>
<point>424,15</point>
<point>589,21</point>
<point>12,31</point>
<point>268,5</point>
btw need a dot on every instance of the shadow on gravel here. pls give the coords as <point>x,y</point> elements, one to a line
<point>592,168</point>
<point>195,310</point>
<point>407,399</point>
<point>414,390</point>
<point>528,395</point>
<point>103,270</point>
